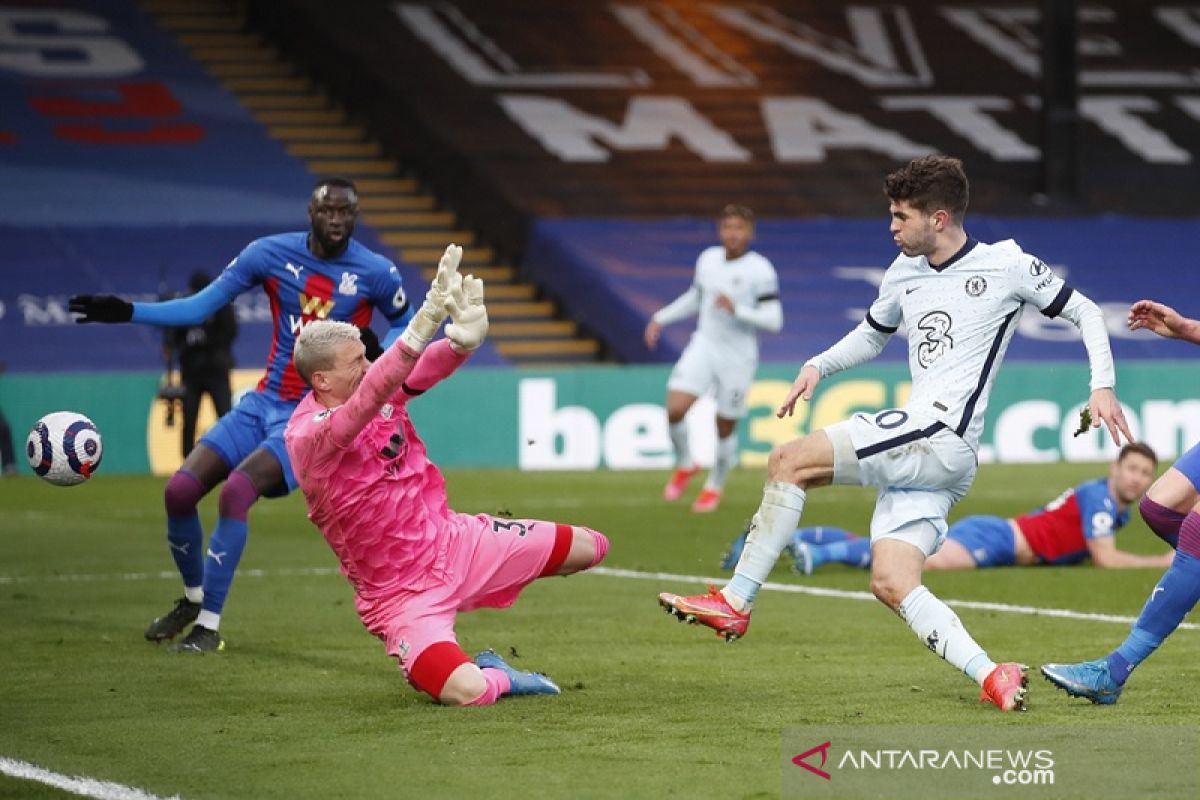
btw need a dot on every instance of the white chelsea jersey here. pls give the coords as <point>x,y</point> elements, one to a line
<point>960,318</point>
<point>747,280</point>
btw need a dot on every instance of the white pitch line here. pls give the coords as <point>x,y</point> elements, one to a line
<point>108,790</point>
<point>818,591</point>
<point>77,784</point>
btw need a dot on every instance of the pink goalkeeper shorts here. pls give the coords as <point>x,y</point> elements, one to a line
<point>498,558</point>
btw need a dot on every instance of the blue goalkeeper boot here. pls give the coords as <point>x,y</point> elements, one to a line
<point>730,557</point>
<point>522,682</point>
<point>1089,679</point>
<point>802,557</point>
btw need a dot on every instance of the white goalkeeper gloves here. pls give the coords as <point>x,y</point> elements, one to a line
<point>470,321</point>
<point>425,323</point>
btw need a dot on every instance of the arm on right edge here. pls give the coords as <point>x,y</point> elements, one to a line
<point>1164,321</point>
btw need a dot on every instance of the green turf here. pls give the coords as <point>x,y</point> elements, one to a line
<point>304,703</point>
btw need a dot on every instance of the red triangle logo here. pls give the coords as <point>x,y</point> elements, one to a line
<point>823,749</point>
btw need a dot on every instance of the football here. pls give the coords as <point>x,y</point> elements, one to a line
<point>64,448</point>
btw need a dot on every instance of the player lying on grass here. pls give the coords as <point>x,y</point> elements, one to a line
<point>1172,510</point>
<point>381,503</point>
<point>1080,523</point>
<point>961,300</point>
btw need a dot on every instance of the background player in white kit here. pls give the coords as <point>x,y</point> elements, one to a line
<point>960,300</point>
<point>736,294</point>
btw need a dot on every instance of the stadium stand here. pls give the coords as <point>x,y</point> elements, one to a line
<point>599,117</point>
<point>581,150</point>
<point>167,146</point>
<point>807,103</point>
<point>407,217</point>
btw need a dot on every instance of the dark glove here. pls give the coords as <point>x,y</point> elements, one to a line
<point>371,342</point>
<point>100,308</point>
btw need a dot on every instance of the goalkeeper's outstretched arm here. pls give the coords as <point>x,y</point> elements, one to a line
<point>465,333</point>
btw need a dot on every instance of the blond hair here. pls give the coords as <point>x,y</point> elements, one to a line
<point>316,346</point>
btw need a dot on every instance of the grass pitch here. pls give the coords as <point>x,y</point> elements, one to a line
<point>304,703</point>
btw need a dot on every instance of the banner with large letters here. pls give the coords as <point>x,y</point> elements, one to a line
<point>629,107</point>
<point>612,417</point>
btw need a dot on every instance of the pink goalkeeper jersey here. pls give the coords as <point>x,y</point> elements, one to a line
<point>371,490</point>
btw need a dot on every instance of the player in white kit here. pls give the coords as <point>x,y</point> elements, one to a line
<point>960,300</point>
<point>736,294</point>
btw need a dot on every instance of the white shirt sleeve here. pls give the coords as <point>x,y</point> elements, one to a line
<point>1038,285</point>
<point>1089,319</point>
<point>764,315</point>
<point>856,347</point>
<point>766,312</point>
<point>682,307</point>
<point>867,340</point>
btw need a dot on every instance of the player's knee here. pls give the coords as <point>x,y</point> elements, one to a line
<point>237,495</point>
<point>182,494</point>
<point>433,670</point>
<point>887,589</point>
<point>463,686</point>
<point>788,462</point>
<point>588,549</point>
<point>779,460</point>
<point>1165,522</point>
<point>595,545</point>
<point>726,427</point>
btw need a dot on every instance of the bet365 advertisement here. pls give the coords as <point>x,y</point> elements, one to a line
<point>612,417</point>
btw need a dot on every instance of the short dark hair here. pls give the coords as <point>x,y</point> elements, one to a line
<point>931,183</point>
<point>339,182</point>
<point>1141,448</point>
<point>739,211</point>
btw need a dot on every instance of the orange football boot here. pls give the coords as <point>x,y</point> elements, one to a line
<point>710,609</point>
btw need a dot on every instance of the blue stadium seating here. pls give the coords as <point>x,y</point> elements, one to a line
<point>127,168</point>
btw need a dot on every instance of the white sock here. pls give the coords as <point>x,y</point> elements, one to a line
<point>683,450</point>
<point>771,530</point>
<point>940,629</point>
<point>727,450</point>
<point>194,594</point>
<point>208,619</point>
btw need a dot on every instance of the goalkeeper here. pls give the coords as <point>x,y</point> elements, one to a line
<point>381,504</point>
<point>321,273</point>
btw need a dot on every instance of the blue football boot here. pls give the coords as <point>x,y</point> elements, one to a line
<point>730,557</point>
<point>802,557</point>
<point>522,682</point>
<point>1089,679</point>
